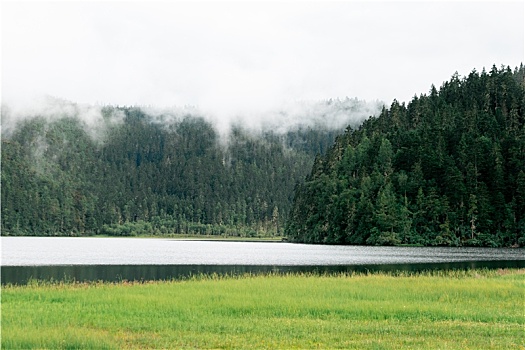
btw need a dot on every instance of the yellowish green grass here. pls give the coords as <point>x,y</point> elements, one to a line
<point>477,309</point>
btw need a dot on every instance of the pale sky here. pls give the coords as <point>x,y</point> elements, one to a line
<point>231,57</point>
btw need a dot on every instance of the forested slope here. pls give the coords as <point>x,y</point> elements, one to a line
<point>446,169</point>
<point>135,173</point>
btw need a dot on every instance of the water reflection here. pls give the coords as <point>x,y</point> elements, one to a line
<point>29,251</point>
<point>116,273</point>
<point>116,259</point>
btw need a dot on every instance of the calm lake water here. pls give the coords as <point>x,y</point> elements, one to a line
<point>140,258</point>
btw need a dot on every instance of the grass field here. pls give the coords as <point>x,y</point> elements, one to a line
<point>475,309</point>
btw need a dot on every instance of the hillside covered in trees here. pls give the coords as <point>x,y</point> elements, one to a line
<point>133,172</point>
<point>448,169</point>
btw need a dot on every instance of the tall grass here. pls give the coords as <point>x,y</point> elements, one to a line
<point>473,309</point>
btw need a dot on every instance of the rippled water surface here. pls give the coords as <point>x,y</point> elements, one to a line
<point>116,259</point>
<point>34,251</point>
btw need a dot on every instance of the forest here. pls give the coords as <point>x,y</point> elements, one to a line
<point>140,173</point>
<point>447,169</point>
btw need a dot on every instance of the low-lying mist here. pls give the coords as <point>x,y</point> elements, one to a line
<point>333,114</point>
<point>102,169</point>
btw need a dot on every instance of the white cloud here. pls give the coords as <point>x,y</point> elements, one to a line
<point>232,58</point>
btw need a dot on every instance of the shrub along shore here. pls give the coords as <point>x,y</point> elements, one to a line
<point>454,309</point>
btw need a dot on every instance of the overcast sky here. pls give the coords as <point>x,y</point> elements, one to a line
<point>230,57</point>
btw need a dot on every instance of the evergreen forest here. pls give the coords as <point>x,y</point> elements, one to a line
<point>136,173</point>
<point>448,168</point>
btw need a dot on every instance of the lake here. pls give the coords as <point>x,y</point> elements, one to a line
<point>91,258</point>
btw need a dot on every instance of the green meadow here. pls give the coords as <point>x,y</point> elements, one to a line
<point>473,309</point>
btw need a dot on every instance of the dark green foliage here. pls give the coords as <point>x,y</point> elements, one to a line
<point>146,175</point>
<point>447,169</point>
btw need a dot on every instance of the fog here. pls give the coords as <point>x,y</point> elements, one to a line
<point>52,109</point>
<point>258,64</point>
<point>327,114</point>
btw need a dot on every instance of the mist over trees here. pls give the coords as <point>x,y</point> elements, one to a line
<point>132,171</point>
<point>446,169</point>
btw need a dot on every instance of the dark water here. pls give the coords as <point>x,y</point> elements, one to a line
<point>115,259</point>
<point>116,273</point>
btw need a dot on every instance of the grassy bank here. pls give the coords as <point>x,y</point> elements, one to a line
<point>197,237</point>
<point>476,309</point>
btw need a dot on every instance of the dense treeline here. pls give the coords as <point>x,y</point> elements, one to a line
<point>143,174</point>
<point>446,169</point>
